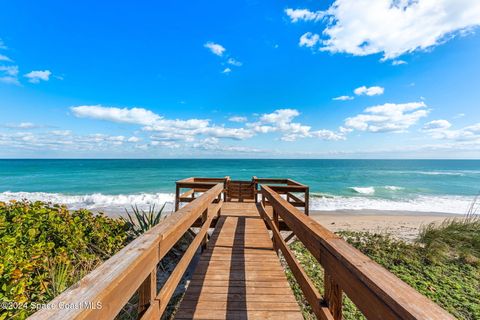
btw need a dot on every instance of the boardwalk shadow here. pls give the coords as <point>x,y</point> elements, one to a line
<point>191,299</point>
<point>237,308</point>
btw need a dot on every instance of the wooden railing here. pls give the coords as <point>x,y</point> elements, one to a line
<point>195,185</point>
<point>288,187</point>
<point>376,292</point>
<point>105,291</point>
<point>240,190</point>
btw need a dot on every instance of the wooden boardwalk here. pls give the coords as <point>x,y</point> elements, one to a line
<point>239,276</point>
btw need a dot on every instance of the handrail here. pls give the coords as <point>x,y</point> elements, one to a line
<point>195,184</point>
<point>376,292</point>
<point>102,293</point>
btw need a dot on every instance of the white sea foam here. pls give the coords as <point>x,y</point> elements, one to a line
<point>114,204</point>
<point>394,188</point>
<point>444,204</point>
<point>441,173</point>
<point>363,190</point>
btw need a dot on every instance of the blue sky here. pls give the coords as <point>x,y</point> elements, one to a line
<point>256,79</point>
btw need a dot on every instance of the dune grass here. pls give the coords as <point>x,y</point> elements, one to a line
<point>442,265</point>
<point>453,239</point>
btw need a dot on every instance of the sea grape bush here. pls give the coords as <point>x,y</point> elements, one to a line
<point>45,248</point>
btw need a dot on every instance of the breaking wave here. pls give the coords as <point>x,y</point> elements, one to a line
<point>116,204</point>
<point>363,190</point>
<point>443,204</point>
<point>96,201</point>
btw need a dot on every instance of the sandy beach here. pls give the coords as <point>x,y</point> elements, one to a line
<point>404,225</point>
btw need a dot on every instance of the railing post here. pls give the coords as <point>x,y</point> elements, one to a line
<point>177,198</point>
<point>333,296</point>
<point>277,224</point>
<point>225,189</point>
<point>205,239</point>
<point>307,201</point>
<point>147,292</point>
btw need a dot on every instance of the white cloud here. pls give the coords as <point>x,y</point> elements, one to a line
<point>5,58</point>
<point>63,141</point>
<point>22,125</point>
<point>398,62</point>
<point>237,119</point>
<point>281,121</point>
<point>441,130</point>
<point>213,144</point>
<point>343,98</point>
<point>296,15</point>
<point>37,76</point>
<point>190,130</point>
<point>62,133</point>
<point>389,117</point>
<point>181,129</point>
<point>393,28</point>
<point>9,75</point>
<point>227,70</point>
<point>308,40</point>
<point>437,125</point>
<point>123,115</point>
<point>215,48</point>
<point>133,139</point>
<point>371,91</point>
<point>167,144</point>
<point>234,62</point>
<point>280,116</point>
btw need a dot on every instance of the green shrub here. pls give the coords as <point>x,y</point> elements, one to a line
<point>450,282</point>
<point>45,248</point>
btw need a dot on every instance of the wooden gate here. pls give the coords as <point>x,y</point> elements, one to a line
<point>240,191</point>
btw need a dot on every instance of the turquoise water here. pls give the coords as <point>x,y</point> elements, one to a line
<point>426,185</point>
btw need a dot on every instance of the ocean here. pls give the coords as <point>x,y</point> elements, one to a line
<point>447,186</point>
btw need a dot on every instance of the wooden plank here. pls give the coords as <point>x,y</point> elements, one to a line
<point>242,297</point>
<point>241,275</point>
<point>194,185</point>
<point>236,305</point>
<point>237,315</point>
<point>188,193</point>
<point>250,290</point>
<point>241,284</point>
<point>146,295</point>
<point>333,296</point>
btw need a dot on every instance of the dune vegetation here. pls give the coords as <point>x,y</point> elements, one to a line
<point>45,248</point>
<point>443,264</point>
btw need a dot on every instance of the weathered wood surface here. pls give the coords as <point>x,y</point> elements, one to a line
<point>116,280</point>
<point>375,291</point>
<point>306,285</point>
<point>239,276</point>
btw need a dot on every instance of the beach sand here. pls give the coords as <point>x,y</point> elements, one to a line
<point>404,225</point>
